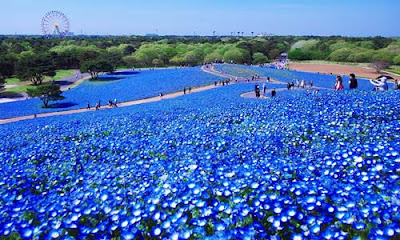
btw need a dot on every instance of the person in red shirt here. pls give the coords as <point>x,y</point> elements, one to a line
<point>339,83</point>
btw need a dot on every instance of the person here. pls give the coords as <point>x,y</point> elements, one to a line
<point>339,83</point>
<point>264,88</point>
<point>184,90</point>
<point>353,81</point>
<point>310,83</point>
<point>115,102</point>
<point>303,83</point>
<point>380,84</point>
<point>273,93</point>
<point>297,83</point>
<point>88,105</point>
<point>257,90</point>
<point>396,85</point>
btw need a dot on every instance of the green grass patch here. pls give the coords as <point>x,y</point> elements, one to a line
<point>10,81</point>
<point>333,62</point>
<point>393,69</point>
<point>61,74</point>
<point>16,90</point>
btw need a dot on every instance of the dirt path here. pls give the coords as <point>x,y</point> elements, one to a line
<point>336,69</point>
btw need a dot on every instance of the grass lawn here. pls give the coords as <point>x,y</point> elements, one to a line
<point>16,90</point>
<point>60,74</point>
<point>393,69</point>
<point>10,81</point>
<point>333,62</point>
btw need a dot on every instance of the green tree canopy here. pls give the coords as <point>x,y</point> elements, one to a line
<point>236,55</point>
<point>396,60</point>
<point>46,92</point>
<point>158,62</point>
<point>95,67</point>
<point>259,58</point>
<point>211,57</point>
<point>341,55</point>
<point>6,67</point>
<point>35,67</point>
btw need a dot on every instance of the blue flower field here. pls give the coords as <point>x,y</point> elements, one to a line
<point>208,165</point>
<point>133,86</point>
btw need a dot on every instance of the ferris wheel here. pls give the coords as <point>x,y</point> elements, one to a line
<point>55,24</point>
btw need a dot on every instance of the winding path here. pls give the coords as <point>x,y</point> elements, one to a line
<point>208,69</point>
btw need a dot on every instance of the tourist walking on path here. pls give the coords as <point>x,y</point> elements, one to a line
<point>257,90</point>
<point>273,93</point>
<point>88,105</point>
<point>264,88</point>
<point>339,83</point>
<point>353,81</point>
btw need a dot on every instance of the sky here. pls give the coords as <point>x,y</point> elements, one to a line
<point>193,17</point>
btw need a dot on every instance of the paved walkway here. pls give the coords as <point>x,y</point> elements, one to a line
<point>65,84</point>
<point>209,69</point>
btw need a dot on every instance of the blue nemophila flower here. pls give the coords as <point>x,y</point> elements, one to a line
<point>223,167</point>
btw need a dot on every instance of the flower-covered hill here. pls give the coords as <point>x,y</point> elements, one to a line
<point>319,80</point>
<point>131,86</point>
<point>208,165</point>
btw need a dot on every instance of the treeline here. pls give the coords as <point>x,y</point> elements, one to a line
<point>357,50</point>
<point>29,58</point>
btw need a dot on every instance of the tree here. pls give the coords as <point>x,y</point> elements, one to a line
<point>259,58</point>
<point>95,67</point>
<point>341,55</point>
<point>379,65</point>
<point>298,54</point>
<point>193,58</point>
<point>212,57</point>
<point>158,62</point>
<point>46,92</point>
<point>236,55</point>
<point>34,68</point>
<point>6,67</point>
<point>396,60</point>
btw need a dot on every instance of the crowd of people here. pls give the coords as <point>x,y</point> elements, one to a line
<point>223,82</point>
<point>97,106</point>
<point>379,84</point>
<point>299,84</point>
<point>257,90</point>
